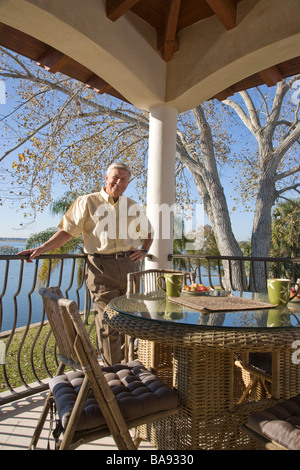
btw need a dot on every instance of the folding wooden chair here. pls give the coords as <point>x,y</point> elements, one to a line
<point>66,353</point>
<point>260,373</point>
<point>101,401</point>
<point>158,357</point>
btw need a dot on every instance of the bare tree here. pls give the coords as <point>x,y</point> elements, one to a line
<point>62,129</point>
<point>275,171</point>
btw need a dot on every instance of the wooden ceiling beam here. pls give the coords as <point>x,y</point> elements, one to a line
<point>170,41</point>
<point>98,84</point>
<point>224,94</point>
<point>57,66</point>
<point>271,76</point>
<point>225,10</point>
<point>116,8</point>
<point>53,60</point>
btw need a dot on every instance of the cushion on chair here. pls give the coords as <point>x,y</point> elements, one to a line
<point>262,361</point>
<point>280,423</point>
<point>138,393</point>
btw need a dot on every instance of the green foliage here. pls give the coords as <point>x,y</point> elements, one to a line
<point>209,247</point>
<point>286,234</point>
<point>37,239</point>
<point>36,346</point>
<point>26,370</point>
<point>75,245</point>
<point>286,229</point>
<point>61,205</point>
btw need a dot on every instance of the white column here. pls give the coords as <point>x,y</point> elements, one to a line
<point>161,182</point>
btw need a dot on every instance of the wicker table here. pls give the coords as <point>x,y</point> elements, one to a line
<point>204,350</point>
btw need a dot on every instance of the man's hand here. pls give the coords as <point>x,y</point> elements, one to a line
<point>137,255</point>
<point>31,253</point>
<point>56,241</point>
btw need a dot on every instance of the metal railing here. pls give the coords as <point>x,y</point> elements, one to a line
<point>237,273</point>
<point>28,353</point>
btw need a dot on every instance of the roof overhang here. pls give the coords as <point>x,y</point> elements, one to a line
<point>116,47</point>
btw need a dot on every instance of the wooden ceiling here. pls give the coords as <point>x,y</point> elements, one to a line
<point>52,59</point>
<point>168,18</point>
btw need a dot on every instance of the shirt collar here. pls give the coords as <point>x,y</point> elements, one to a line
<point>107,197</point>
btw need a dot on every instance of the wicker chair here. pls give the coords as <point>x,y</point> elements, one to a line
<point>100,401</point>
<point>278,427</point>
<point>158,357</point>
<point>146,281</point>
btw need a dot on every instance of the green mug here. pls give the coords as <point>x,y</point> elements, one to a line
<point>279,291</point>
<point>279,317</point>
<point>169,310</point>
<point>173,284</point>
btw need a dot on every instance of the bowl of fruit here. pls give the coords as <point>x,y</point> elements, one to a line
<point>196,289</point>
<point>295,289</point>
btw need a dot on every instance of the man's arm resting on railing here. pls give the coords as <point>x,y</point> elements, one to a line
<point>57,240</point>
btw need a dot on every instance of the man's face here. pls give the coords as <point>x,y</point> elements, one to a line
<point>116,182</point>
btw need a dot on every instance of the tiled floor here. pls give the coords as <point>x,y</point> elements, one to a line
<point>18,420</point>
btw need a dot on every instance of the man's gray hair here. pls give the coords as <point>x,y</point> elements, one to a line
<point>120,165</point>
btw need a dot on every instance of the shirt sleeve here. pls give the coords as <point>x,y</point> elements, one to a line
<point>73,220</point>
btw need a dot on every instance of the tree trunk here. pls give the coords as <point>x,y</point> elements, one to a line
<point>217,212</point>
<point>262,228</point>
<point>212,195</point>
<point>268,163</point>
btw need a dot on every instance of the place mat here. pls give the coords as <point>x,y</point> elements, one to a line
<point>221,304</point>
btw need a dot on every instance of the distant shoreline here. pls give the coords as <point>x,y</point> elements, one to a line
<point>10,239</point>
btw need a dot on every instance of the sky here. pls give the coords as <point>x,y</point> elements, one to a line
<point>11,218</point>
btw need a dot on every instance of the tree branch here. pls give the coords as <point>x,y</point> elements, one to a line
<point>241,113</point>
<point>287,173</point>
<point>252,111</point>
<point>101,109</point>
<point>293,187</point>
<point>46,123</point>
<point>286,144</point>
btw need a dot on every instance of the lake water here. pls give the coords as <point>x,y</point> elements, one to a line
<point>15,307</point>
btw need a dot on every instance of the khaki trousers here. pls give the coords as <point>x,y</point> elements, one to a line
<point>106,279</point>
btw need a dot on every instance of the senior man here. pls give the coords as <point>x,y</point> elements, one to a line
<point>112,226</point>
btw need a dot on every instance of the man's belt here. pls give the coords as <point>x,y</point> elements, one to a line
<point>121,254</point>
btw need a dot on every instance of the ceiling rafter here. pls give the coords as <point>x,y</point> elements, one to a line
<point>170,40</point>
<point>271,76</point>
<point>168,18</point>
<point>116,8</point>
<point>223,95</point>
<point>225,10</point>
<point>53,60</point>
<point>98,84</point>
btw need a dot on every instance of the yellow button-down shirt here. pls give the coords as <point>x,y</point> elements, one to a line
<point>107,227</point>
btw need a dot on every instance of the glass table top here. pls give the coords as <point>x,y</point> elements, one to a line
<point>155,306</point>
